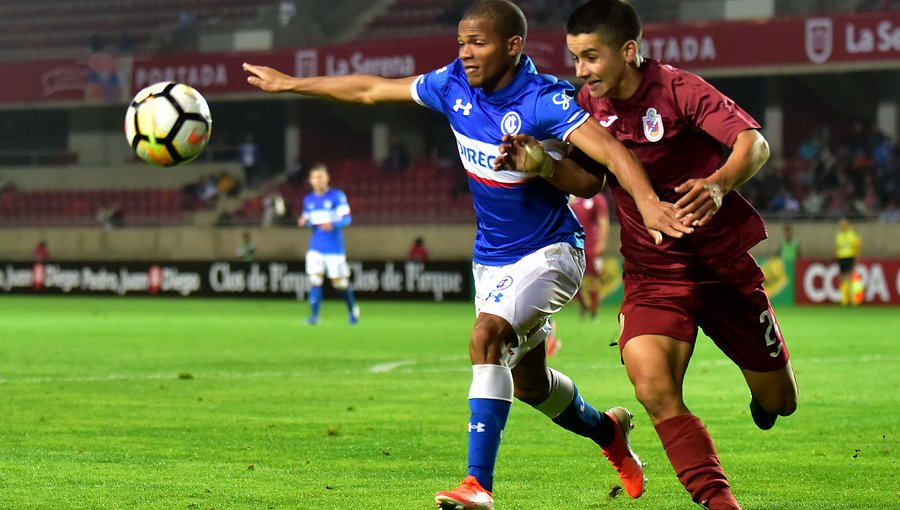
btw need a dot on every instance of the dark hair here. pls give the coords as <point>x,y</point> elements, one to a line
<point>508,19</point>
<point>317,167</point>
<point>615,21</point>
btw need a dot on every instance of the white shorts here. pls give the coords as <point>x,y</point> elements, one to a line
<point>333,265</point>
<point>528,291</point>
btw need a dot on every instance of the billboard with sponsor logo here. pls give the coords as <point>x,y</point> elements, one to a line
<point>818,281</point>
<point>434,281</point>
<point>823,43</point>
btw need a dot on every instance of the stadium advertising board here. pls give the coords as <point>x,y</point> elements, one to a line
<point>824,43</point>
<point>818,281</point>
<point>434,281</point>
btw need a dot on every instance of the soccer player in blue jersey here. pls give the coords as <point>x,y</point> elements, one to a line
<point>528,260</point>
<point>326,212</point>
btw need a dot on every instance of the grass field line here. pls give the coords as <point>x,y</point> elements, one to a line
<point>443,365</point>
<point>390,366</point>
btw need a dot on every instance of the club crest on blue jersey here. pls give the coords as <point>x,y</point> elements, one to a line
<point>653,125</point>
<point>511,123</point>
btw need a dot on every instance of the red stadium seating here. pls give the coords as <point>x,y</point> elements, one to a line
<point>166,206</point>
<point>63,28</point>
<point>423,193</point>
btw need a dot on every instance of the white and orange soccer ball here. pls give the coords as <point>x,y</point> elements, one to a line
<point>168,124</point>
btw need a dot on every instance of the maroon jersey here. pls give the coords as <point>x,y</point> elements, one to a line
<point>676,123</point>
<point>589,211</point>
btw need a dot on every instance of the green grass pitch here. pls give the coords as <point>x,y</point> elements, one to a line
<point>114,403</point>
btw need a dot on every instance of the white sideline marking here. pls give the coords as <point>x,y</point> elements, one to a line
<point>173,376</point>
<point>382,368</point>
<point>406,366</point>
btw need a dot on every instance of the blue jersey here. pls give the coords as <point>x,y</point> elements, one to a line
<point>329,207</point>
<point>515,216</point>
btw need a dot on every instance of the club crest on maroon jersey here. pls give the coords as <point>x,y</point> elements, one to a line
<point>653,125</point>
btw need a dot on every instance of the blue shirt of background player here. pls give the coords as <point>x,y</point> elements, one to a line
<point>329,207</point>
<point>515,216</point>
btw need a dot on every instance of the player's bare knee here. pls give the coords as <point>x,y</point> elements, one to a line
<point>659,401</point>
<point>485,344</point>
<point>531,390</point>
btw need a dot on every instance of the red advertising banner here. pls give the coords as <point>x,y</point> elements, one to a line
<point>98,78</point>
<point>815,43</point>
<point>212,73</point>
<point>818,281</point>
<point>849,41</point>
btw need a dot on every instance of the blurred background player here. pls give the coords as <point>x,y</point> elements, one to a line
<point>246,251</point>
<point>41,253</point>
<point>789,248</point>
<point>847,245</point>
<point>327,212</point>
<point>780,269</point>
<point>528,257</point>
<point>593,214</point>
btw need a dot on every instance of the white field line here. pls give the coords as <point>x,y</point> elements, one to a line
<point>445,365</point>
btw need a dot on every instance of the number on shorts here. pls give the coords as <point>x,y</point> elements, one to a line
<point>767,319</point>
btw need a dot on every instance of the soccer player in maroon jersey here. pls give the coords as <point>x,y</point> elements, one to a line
<point>677,125</point>
<point>593,214</point>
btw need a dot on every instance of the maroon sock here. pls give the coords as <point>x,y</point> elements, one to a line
<point>693,455</point>
<point>595,300</point>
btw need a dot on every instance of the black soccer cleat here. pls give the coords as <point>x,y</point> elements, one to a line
<point>762,418</point>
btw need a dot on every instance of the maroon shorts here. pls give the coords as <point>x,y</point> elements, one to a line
<point>728,304</point>
<point>590,269</point>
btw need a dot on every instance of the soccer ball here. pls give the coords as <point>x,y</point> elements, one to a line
<point>168,124</point>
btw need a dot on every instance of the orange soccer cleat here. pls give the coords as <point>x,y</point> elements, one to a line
<point>620,455</point>
<point>470,495</point>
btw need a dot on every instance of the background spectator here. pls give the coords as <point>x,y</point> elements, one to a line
<point>418,252</point>
<point>41,253</point>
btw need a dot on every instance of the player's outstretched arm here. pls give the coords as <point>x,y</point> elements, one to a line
<point>659,217</point>
<point>703,197</point>
<point>523,153</point>
<point>353,88</point>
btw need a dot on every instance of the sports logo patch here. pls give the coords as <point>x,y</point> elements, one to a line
<point>608,121</point>
<point>505,283</point>
<point>653,125</point>
<point>459,106</point>
<point>511,123</point>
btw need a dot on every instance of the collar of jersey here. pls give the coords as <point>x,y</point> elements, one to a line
<point>524,72</point>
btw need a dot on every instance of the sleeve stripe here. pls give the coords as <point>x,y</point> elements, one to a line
<point>414,90</point>
<point>576,125</point>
